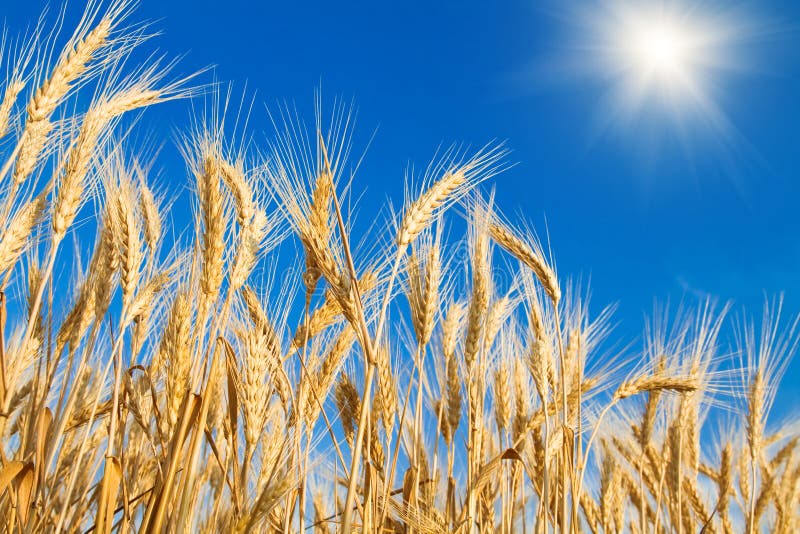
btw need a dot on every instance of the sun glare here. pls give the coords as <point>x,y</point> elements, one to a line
<point>657,56</point>
<point>659,49</point>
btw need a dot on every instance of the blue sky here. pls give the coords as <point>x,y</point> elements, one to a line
<point>646,210</point>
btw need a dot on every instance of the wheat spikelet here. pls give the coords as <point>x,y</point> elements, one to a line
<point>251,238</point>
<point>453,397</point>
<point>80,154</point>
<point>422,210</point>
<point>348,403</point>
<point>744,478</point>
<point>767,493</point>
<point>479,302</point>
<point>784,454</point>
<point>254,309</point>
<point>253,393</point>
<point>540,365</point>
<point>755,419</point>
<point>13,88</point>
<point>502,396</point>
<point>330,310</point>
<point>150,214</point>
<point>234,178</point>
<point>386,396</point>
<point>518,248</point>
<point>725,485</point>
<point>320,517</point>
<point>319,256</point>
<point>674,470</point>
<point>331,365</point>
<point>522,407</point>
<point>336,356</point>
<point>786,501</point>
<point>691,441</point>
<point>430,296</point>
<point>71,187</point>
<point>78,319</point>
<point>591,511</point>
<point>494,320</point>
<point>127,228</point>
<point>174,351</point>
<point>535,314</point>
<point>18,232</point>
<point>265,345</point>
<point>650,410</point>
<point>213,236</point>
<point>657,383</point>
<point>416,287</point>
<point>456,181</point>
<point>107,264</point>
<point>608,479</point>
<point>95,293</point>
<point>319,221</point>
<point>267,501</point>
<point>376,451</point>
<point>451,327</point>
<point>147,295</point>
<point>631,487</point>
<point>321,197</point>
<point>323,317</point>
<point>695,501</point>
<point>345,294</point>
<point>648,471</point>
<point>619,502</point>
<point>71,65</point>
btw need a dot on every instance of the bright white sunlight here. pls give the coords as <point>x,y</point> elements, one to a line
<point>659,59</point>
<point>660,48</point>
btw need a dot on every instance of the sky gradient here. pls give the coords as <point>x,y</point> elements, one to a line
<point>646,210</point>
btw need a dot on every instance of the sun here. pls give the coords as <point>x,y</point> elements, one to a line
<point>660,49</point>
<point>656,55</point>
<point>659,78</point>
<point>657,51</point>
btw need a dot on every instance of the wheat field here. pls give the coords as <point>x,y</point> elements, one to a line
<point>269,368</point>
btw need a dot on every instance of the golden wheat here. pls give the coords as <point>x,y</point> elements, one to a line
<point>161,388</point>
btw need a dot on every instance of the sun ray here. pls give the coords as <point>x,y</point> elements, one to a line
<point>659,59</point>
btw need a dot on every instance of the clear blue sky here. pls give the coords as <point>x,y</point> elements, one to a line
<point>647,213</point>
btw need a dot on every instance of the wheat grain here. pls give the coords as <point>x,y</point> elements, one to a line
<point>213,236</point>
<point>656,383</point>
<point>151,216</point>
<point>174,351</point>
<point>13,88</point>
<point>71,65</point>
<point>348,403</point>
<point>422,210</point>
<point>386,395</point>
<point>17,234</point>
<point>518,248</point>
<point>502,396</point>
<point>480,297</point>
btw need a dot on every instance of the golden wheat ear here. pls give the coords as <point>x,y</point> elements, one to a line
<point>92,48</point>
<point>457,179</point>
